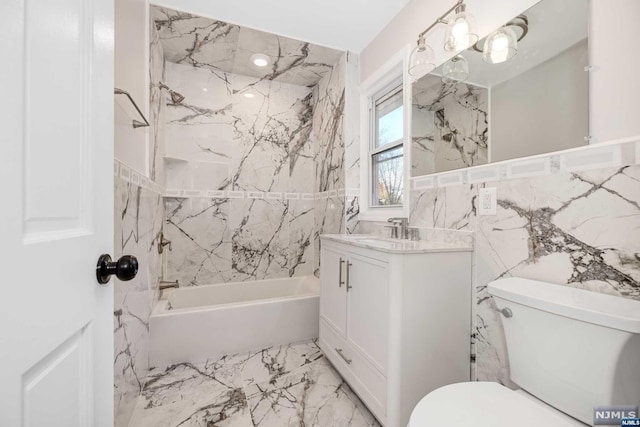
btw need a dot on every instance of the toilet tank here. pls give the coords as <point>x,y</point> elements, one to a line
<point>571,348</point>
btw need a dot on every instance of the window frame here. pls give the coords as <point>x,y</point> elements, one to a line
<point>387,92</point>
<point>391,72</point>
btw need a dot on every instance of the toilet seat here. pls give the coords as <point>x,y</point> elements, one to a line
<point>485,404</point>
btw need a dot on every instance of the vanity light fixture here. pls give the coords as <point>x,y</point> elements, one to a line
<point>260,60</point>
<point>461,33</point>
<point>422,60</point>
<point>502,44</point>
<point>455,70</point>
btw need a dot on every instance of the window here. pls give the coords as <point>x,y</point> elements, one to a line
<point>386,151</point>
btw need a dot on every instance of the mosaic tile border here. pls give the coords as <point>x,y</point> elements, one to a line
<point>602,155</point>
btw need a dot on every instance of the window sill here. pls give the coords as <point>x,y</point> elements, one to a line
<point>380,214</point>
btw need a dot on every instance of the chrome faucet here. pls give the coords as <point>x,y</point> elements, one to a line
<point>403,222</point>
<point>162,242</point>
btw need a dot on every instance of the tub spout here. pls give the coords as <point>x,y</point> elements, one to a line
<point>167,285</point>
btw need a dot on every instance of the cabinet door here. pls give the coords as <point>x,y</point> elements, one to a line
<point>333,298</point>
<point>368,308</point>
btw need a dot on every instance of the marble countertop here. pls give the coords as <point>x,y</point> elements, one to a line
<point>395,246</point>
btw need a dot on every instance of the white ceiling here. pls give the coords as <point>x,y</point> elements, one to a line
<point>339,24</point>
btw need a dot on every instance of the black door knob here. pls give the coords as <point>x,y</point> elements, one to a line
<point>125,268</point>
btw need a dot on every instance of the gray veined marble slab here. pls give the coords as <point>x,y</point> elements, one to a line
<point>227,48</point>
<point>138,218</point>
<point>290,385</point>
<point>396,246</point>
<point>449,126</point>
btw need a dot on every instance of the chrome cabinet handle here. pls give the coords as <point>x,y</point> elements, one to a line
<point>339,351</point>
<point>340,282</point>
<point>348,285</point>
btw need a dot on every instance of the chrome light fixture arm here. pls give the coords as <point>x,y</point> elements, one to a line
<point>461,33</point>
<point>441,19</point>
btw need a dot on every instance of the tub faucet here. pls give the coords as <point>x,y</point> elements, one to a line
<point>403,222</point>
<point>162,242</point>
<point>166,285</point>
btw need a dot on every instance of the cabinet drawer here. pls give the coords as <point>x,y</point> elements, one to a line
<point>366,380</point>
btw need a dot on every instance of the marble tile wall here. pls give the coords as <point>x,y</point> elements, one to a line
<point>579,229</point>
<point>327,138</point>
<point>221,47</point>
<point>138,213</point>
<point>449,126</point>
<point>352,143</point>
<point>262,173</point>
<point>157,106</point>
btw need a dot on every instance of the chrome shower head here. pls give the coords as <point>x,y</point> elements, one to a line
<point>176,97</point>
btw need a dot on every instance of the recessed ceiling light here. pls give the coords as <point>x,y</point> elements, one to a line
<point>260,60</point>
<point>249,95</point>
<point>204,89</point>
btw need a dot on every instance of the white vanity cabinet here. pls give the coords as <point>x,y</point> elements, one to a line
<point>395,322</point>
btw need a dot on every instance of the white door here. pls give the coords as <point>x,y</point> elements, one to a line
<point>56,170</point>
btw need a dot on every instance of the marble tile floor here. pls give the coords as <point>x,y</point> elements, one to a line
<point>289,385</point>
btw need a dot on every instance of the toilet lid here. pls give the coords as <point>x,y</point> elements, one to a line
<point>484,404</point>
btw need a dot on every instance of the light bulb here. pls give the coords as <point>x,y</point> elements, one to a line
<point>499,49</point>
<point>260,60</point>
<point>460,34</point>
<point>500,46</point>
<point>461,31</point>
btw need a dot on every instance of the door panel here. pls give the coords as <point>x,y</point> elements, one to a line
<point>368,308</point>
<point>51,206</point>
<point>67,364</point>
<point>56,157</point>
<point>333,301</point>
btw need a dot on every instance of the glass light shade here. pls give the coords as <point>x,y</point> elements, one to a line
<point>421,60</point>
<point>462,32</point>
<point>455,70</point>
<point>500,46</point>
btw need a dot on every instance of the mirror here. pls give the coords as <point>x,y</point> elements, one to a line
<point>470,112</point>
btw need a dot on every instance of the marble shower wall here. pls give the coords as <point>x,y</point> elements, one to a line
<point>449,126</point>
<point>352,143</point>
<point>138,213</point>
<point>248,170</point>
<point>581,229</point>
<point>221,47</point>
<point>157,106</point>
<point>256,155</point>
<point>138,219</point>
<point>327,138</point>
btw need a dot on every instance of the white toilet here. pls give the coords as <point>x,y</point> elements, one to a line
<point>570,350</point>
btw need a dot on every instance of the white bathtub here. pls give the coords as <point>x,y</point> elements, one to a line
<point>202,322</point>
